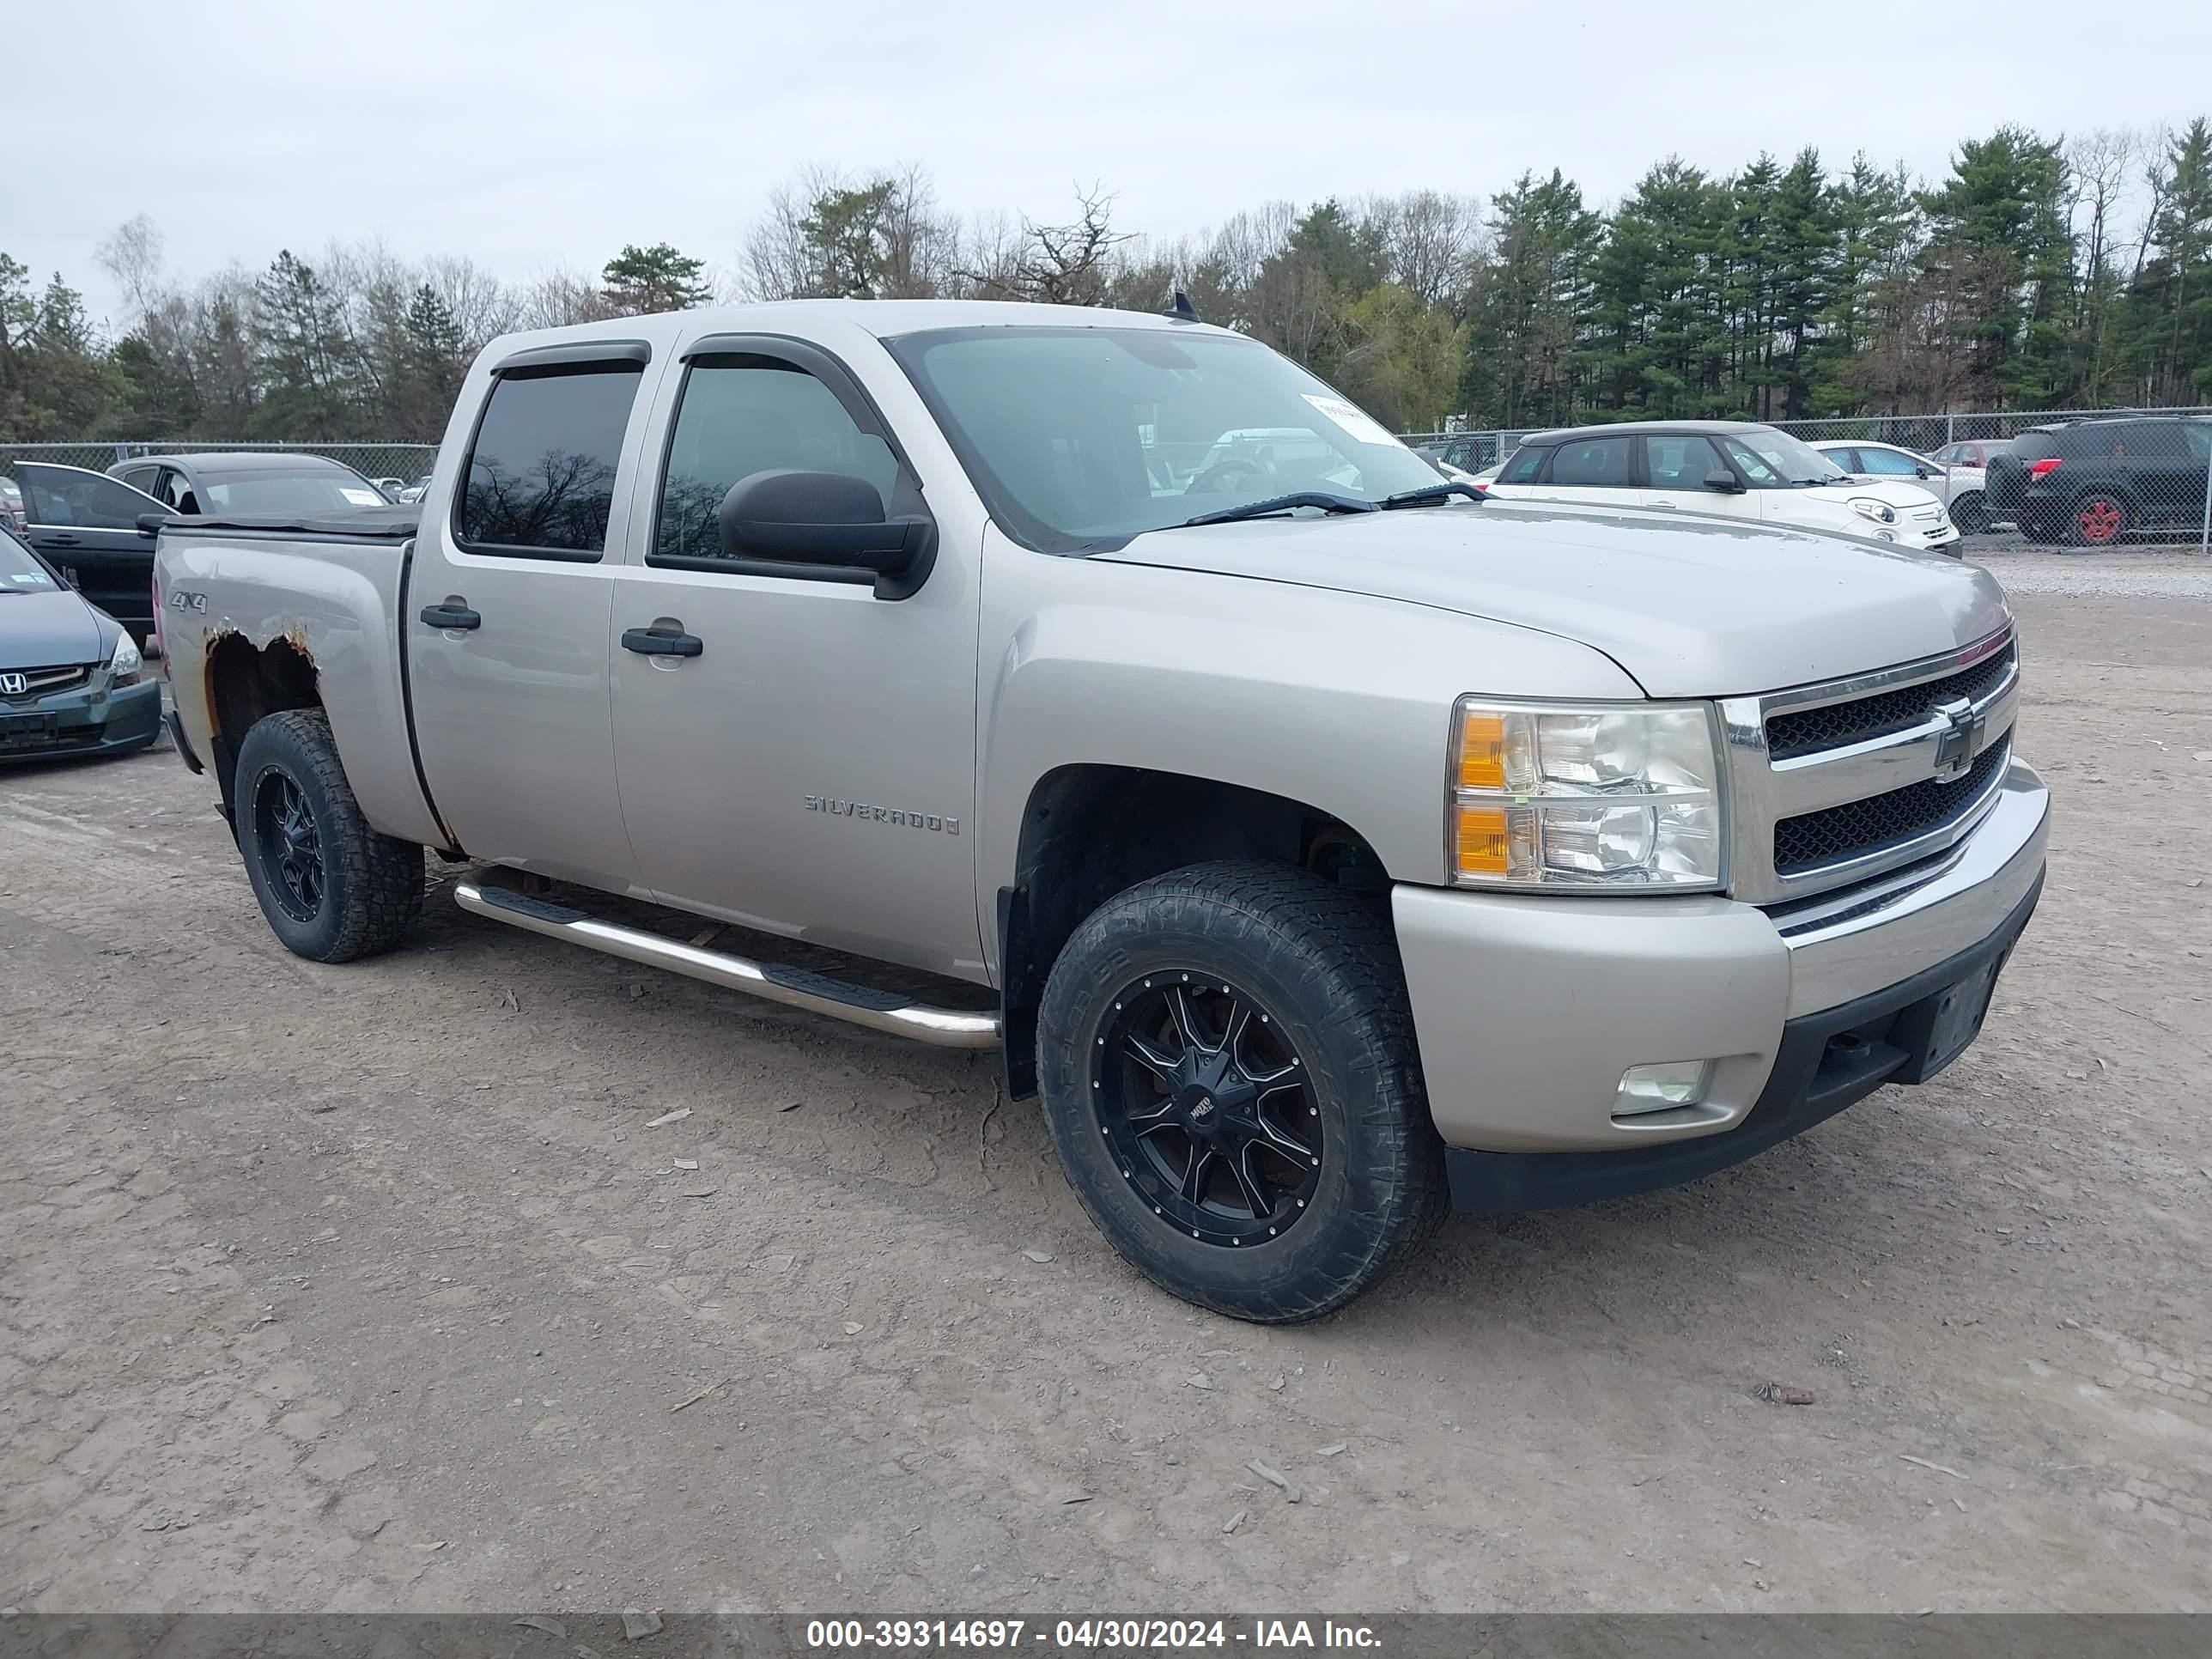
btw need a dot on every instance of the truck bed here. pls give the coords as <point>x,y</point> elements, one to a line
<point>315,600</point>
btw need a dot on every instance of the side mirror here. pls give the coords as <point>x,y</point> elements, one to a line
<point>1927,471</point>
<point>149,524</point>
<point>1726,484</point>
<point>830,522</point>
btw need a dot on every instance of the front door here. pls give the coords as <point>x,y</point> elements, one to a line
<point>808,768</point>
<point>506,622</point>
<point>87,524</point>
<point>1675,467</point>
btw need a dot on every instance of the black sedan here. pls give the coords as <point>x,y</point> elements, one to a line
<point>72,680</point>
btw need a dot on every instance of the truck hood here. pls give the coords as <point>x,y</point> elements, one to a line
<point>1689,607</point>
<point>48,627</point>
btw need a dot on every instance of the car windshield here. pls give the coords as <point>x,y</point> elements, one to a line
<point>1080,438</point>
<point>19,572</point>
<point>1772,459</point>
<point>286,491</point>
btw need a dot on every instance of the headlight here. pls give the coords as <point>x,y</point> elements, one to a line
<point>1867,508</point>
<point>1607,797</point>
<point>123,667</point>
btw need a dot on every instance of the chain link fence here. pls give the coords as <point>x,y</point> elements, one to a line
<point>405,462</point>
<point>2082,478</point>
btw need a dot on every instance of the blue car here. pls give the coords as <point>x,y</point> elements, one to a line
<point>72,679</point>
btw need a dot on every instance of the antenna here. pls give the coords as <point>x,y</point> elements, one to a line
<point>1182,311</point>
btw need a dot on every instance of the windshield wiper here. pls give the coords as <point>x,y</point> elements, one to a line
<point>1273,504</point>
<point>1430,495</point>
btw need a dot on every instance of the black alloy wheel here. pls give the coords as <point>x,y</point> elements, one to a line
<point>291,845</point>
<point>1207,1109</point>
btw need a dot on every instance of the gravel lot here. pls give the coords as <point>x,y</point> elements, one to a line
<point>371,1287</point>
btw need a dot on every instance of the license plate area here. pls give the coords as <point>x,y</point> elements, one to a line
<point>26,731</point>
<point>1937,1030</point>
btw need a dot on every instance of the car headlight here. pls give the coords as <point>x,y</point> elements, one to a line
<point>1605,796</point>
<point>1867,508</point>
<point>123,667</point>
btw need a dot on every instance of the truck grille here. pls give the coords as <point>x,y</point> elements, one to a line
<point>1806,732</point>
<point>1860,827</point>
<point>1836,782</point>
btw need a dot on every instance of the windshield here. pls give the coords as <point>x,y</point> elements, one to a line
<point>1080,438</point>
<point>287,492</point>
<point>1775,460</point>
<point>19,572</point>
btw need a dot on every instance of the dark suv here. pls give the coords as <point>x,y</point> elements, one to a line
<point>2090,484</point>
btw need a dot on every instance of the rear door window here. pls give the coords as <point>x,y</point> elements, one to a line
<point>540,481</point>
<point>1592,463</point>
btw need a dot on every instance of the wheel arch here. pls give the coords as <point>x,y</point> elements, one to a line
<point>244,686</point>
<point>1090,830</point>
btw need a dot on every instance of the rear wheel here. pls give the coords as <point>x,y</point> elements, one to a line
<point>332,888</point>
<point>1970,515</point>
<point>2099,519</point>
<point>1227,1061</point>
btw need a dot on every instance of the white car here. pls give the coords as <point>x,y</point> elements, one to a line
<point>1956,484</point>
<point>1734,469</point>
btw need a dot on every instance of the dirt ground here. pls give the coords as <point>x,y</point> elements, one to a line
<point>370,1287</point>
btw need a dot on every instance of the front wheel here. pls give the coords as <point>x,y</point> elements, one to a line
<point>1227,1061</point>
<point>332,888</point>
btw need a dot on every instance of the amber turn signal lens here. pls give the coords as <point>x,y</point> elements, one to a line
<point>1479,840</point>
<point>1482,750</point>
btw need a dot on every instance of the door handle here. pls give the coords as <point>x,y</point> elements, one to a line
<point>662,640</point>
<point>63,540</point>
<point>452,612</point>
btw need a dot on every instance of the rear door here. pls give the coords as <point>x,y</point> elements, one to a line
<point>505,614</point>
<point>1598,471</point>
<point>810,768</point>
<point>87,524</point>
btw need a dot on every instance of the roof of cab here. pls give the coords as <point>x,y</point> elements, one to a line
<point>886,320</point>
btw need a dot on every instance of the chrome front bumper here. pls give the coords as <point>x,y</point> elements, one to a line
<point>1527,1010</point>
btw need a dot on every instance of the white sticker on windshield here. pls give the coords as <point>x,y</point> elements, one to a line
<point>1362,426</point>
<point>360,497</point>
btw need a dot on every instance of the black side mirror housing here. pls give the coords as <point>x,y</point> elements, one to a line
<point>826,523</point>
<point>1726,484</point>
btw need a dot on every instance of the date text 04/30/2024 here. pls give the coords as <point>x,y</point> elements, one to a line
<point>1086,1635</point>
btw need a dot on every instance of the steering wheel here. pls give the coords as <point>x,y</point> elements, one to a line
<point>1225,474</point>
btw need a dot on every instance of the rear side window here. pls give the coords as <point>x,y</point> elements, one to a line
<point>1527,462</point>
<point>541,473</point>
<point>1591,461</point>
<point>2199,434</point>
<point>742,415</point>
<point>2033,447</point>
<point>1888,462</point>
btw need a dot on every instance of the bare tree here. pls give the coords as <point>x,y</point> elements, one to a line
<point>1068,263</point>
<point>132,256</point>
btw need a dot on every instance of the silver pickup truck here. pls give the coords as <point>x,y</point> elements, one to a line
<point>1335,844</point>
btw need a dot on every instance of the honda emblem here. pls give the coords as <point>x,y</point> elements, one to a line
<point>15,685</point>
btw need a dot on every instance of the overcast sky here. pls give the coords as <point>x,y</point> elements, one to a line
<point>532,135</point>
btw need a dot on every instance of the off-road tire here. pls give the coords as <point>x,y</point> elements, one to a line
<point>372,889</point>
<point>1325,965</point>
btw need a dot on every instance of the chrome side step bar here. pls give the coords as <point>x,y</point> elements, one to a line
<point>794,988</point>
